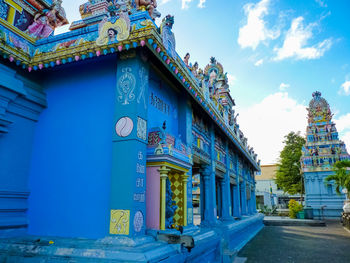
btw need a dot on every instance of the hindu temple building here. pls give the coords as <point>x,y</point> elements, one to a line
<point>112,147</point>
<point>321,151</point>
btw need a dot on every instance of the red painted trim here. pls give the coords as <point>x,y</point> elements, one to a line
<point>35,4</point>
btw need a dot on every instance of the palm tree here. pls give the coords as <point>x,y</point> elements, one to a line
<point>341,177</point>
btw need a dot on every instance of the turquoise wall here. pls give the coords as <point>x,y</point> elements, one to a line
<point>163,105</point>
<point>71,159</point>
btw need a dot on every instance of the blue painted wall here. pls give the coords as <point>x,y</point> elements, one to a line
<point>170,111</point>
<point>20,105</point>
<point>72,152</point>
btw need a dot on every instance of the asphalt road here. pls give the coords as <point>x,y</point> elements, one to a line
<point>299,244</point>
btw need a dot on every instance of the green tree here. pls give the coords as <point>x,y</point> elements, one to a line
<point>341,177</point>
<point>288,176</point>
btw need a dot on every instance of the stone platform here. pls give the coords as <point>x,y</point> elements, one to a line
<point>217,243</point>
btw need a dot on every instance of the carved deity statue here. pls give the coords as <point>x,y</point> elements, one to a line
<point>149,5</point>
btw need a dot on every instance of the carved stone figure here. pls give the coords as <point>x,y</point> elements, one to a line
<point>186,59</point>
<point>41,27</point>
<point>149,5</point>
<point>168,36</point>
<point>194,69</point>
<point>110,32</point>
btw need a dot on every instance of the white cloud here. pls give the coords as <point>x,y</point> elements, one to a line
<point>162,2</point>
<point>255,31</point>
<point>185,3</point>
<point>294,45</point>
<point>201,3</point>
<point>345,88</point>
<point>231,80</point>
<point>343,127</point>
<point>265,124</point>
<point>259,62</point>
<point>322,3</point>
<point>346,138</point>
<point>283,86</point>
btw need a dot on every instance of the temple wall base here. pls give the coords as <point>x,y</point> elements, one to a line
<point>219,244</point>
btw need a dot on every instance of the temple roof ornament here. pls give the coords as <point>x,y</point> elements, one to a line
<point>319,110</point>
<point>323,147</point>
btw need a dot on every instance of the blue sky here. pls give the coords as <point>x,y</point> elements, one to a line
<point>276,54</point>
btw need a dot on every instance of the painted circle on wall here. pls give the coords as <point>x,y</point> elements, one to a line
<point>124,126</point>
<point>138,221</point>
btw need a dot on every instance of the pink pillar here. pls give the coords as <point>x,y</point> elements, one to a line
<point>152,197</point>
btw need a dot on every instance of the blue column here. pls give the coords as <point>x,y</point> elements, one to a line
<point>128,179</point>
<point>209,206</point>
<point>254,199</point>
<point>243,188</point>
<point>237,198</point>
<point>212,186</point>
<point>226,191</point>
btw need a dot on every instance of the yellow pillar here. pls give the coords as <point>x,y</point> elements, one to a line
<point>163,176</point>
<point>184,197</point>
<point>12,11</point>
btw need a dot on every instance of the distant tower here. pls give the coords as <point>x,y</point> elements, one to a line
<point>322,149</point>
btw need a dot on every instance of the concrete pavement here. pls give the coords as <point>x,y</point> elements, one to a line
<point>299,244</point>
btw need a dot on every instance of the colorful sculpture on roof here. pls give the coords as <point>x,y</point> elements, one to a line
<point>150,6</point>
<point>112,30</point>
<point>168,36</point>
<point>38,19</point>
<point>323,147</point>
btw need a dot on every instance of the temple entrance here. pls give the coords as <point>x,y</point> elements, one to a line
<point>166,196</point>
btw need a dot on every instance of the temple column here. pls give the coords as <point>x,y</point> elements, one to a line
<point>254,200</point>
<point>129,148</point>
<point>226,191</point>
<point>236,195</point>
<point>163,177</point>
<point>184,178</point>
<point>243,188</point>
<point>236,201</point>
<point>209,210</point>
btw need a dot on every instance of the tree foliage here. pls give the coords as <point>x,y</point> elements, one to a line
<point>288,176</point>
<point>341,177</point>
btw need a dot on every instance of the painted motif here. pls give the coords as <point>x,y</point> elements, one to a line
<point>143,85</point>
<point>141,128</point>
<point>113,30</point>
<point>126,86</point>
<point>124,127</point>
<point>138,221</point>
<point>170,206</point>
<point>3,9</point>
<point>18,43</point>
<point>139,197</point>
<point>120,222</point>
<point>168,36</point>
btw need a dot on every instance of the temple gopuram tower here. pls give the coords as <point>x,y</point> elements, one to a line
<point>321,151</point>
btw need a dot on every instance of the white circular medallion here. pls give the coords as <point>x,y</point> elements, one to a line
<point>124,126</point>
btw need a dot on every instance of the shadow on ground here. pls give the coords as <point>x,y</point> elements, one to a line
<point>299,244</point>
